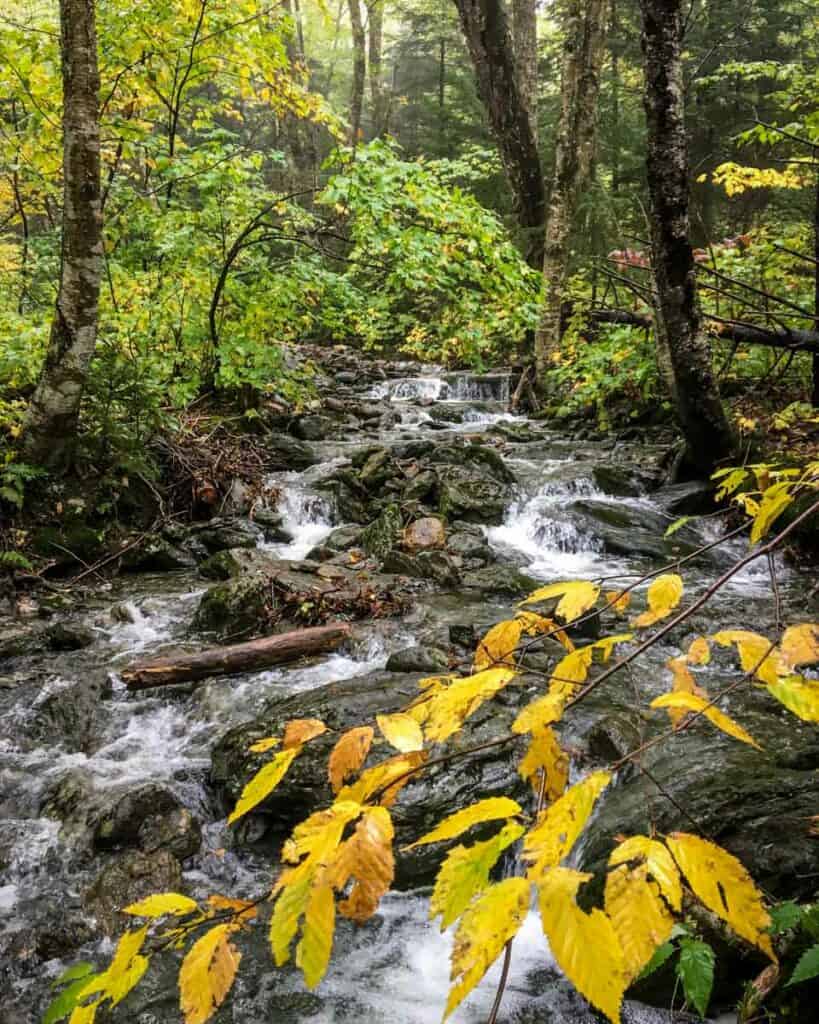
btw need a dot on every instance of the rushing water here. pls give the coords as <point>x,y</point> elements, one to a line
<point>396,968</point>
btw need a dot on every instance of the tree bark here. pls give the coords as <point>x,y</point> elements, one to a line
<point>246,657</point>
<point>359,70</point>
<point>490,46</point>
<point>524,32</point>
<point>583,50</point>
<point>50,427</point>
<point>375,28</point>
<point>815,359</point>
<point>684,353</point>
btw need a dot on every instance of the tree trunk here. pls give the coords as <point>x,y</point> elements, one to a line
<point>299,132</point>
<point>375,26</point>
<point>246,657</point>
<point>815,359</point>
<point>359,70</point>
<point>583,49</point>
<point>524,31</point>
<point>683,350</point>
<point>490,47</point>
<point>50,427</point>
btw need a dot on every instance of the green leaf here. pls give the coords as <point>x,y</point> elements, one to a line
<point>807,967</point>
<point>785,916</point>
<point>79,970</point>
<point>65,1001</point>
<point>695,969</point>
<point>678,524</point>
<point>661,954</point>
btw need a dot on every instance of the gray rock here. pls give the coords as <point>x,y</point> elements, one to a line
<point>694,498</point>
<point>500,579</point>
<point>118,820</point>
<point>467,495</point>
<point>131,876</point>
<point>223,534</point>
<point>313,427</point>
<point>65,636</point>
<point>429,660</point>
<point>71,715</point>
<point>157,554</point>
<point>286,452</point>
<point>379,537</point>
<point>421,486</point>
<point>177,831</point>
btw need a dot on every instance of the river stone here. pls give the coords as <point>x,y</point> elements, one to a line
<point>621,481</point>
<point>287,453</point>
<point>427,532</point>
<point>499,579</point>
<point>693,498</point>
<point>478,458</point>
<point>377,468</point>
<point>224,534</point>
<point>380,536</point>
<point>131,876</point>
<point>235,606</point>
<point>464,494</point>
<point>117,822</point>
<point>271,522</point>
<point>66,636</point>
<point>313,428</point>
<point>632,531</point>
<point>71,715</point>
<point>471,548</point>
<point>420,805</point>
<point>429,660</point>
<point>157,554</point>
<point>341,539</point>
<point>178,831</point>
<point>421,486</point>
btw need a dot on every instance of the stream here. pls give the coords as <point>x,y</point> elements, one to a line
<point>66,716</point>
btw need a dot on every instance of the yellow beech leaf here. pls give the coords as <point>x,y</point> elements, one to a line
<point>545,755</point>
<point>692,702</point>
<point>402,731</point>
<point>557,829</point>
<point>800,645</point>
<point>585,946</point>
<point>316,943</point>
<point>263,745</point>
<point>122,974</point>
<point>576,597</point>
<point>263,783</point>
<point>534,625</point>
<point>801,696</point>
<point>366,856</point>
<point>243,909</point>
<point>465,872</point>
<point>300,730</point>
<point>207,974</point>
<point>573,669</point>
<point>387,778</point>
<point>349,754</point>
<point>162,903</point>
<point>640,918</point>
<point>84,1014</point>
<point>699,652</point>
<point>453,705</point>
<point>659,862</point>
<point>618,600</point>
<point>498,646</point>
<point>770,509</point>
<point>721,882</point>
<point>487,925</point>
<point>544,711</point>
<point>756,653</point>
<point>663,596</point>
<point>491,809</point>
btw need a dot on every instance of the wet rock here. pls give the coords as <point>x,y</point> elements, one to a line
<point>65,636</point>
<point>67,799</point>
<point>470,548</point>
<point>119,820</point>
<point>500,579</point>
<point>426,565</point>
<point>376,469</point>
<point>421,804</point>
<point>421,486</point>
<point>429,660</point>
<point>380,536</point>
<point>224,534</point>
<point>464,495</point>
<point>423,534</point>
<point>628,530</point>
<point>71,715</point>
<point>157,554</point>
<point>233,607</point>
<point>226,565</point>
<point>447,413</point>
<point>271,523</point>
<point>343,538</point>
<point>694,498</point>
<point>131,876</point>
<point>622,481</point>
<point>464,635</point>
<point>177,831</point>
<point>313,428</point>
<point>286,452</point>
<point>18,641</point>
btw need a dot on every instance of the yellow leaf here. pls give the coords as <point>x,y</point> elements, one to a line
<point>349,754</point>
<point>366,856</point>
<point>585,946</point>
<point>263,783</point>
<point>316,943</point>
<point>453,705</point>
<point>663,596</point>
<point>558,827</point>
<point>618,600</point>
<point>465,872</point>
<point>387,778</point>
<point>570,671</point>
<point>243,909</point>
<point>485,928</point>
<point>402,731</point>
<point>162,903</point>
<point>545,755</point>
<point>770,508</point>
<point>499,645</point>
<point>720,881</point>
<point>207,974</point>
<point>693,702</point>
<point>124,971</point>
<point>84,1014</point>
<point>801,696</point>
<point>454,825</point>
<point>534,625</point>
<point>699,652</point>
<point>659,862</point>
<point>262,746</point>
<point>300,730</point>
<point>576,597</point>
<point>800,645</point>
<point>756,653</point>
<point>640,918</point>
<point>541,712</point>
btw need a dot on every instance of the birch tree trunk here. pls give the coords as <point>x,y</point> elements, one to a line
<point>50,427</point>
<point>489,43</point>
<point>524,33</point>
<point>684,353</point>
<point>583,51</point>
<point>359,70</point>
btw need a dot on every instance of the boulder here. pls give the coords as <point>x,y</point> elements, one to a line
<point>500,579</point>
<point>423,534</point>
<point>380,536</point>
<point>464,494</point>
<point>287,453</point>
<point>622,481</point>
<point>421,486</point>
<point>118,819</point>
<point>271,522</point>
<point>313,427</point>
<point>429,660</point>
<point>343,538</point>
<point>693,498</point>
<point>222,534</point>
<point>632,531</point>
<point>70,715</point>
<point>471,549</point>
<point>66,636</point>
<point>157,554</point>
<point>177,831</point>
<point>130,877</point>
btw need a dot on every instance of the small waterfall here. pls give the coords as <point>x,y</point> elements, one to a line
<point>414,388</point>
<point>306,516</point>
<point>470,387</point>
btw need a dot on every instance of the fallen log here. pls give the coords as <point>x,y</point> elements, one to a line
<point>245,657</point>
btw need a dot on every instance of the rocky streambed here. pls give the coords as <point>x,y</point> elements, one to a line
<point>412,503</point>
